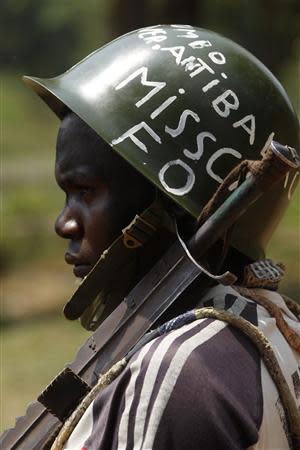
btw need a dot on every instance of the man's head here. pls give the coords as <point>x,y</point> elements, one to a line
<point>103,193</point>
<point>176,107</point>
<point>184,106</point>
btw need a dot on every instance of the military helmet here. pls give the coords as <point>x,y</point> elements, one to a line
<point>184,105</point>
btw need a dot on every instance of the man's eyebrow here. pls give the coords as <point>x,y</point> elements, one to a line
<point>77,176</point>
<point>81,176</point>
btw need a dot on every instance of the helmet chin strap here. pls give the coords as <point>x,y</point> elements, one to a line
<point>99,293</point>
<point>226,278</point>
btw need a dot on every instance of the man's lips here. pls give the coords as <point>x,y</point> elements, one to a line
<point>81,268</point>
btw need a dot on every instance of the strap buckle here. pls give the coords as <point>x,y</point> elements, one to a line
<point>137,232</point>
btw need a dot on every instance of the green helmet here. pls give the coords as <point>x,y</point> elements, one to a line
<point>184,105</point>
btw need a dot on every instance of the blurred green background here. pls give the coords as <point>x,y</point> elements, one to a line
<point>44,38</point>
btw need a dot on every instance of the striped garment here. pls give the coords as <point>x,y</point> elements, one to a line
<point>202,386</point>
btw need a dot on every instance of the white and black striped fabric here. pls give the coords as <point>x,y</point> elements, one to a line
<point>202,386</point>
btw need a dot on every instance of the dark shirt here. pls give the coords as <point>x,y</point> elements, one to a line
<point>200,386</point>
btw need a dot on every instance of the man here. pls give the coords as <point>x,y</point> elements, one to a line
<point>182,106</point>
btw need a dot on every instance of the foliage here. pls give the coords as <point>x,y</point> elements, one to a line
<point>44,38</point>
<point>22,379</point>
<point>47,37</point>
<point>30,198</point>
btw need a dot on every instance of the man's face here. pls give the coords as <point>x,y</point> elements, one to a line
<point>95,210</point>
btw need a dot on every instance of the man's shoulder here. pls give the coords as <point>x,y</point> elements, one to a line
<point>188,340</point>
<point>196,383</point>
<point>200,379</point>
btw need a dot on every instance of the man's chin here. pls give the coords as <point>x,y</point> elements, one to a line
<point>81,271</point>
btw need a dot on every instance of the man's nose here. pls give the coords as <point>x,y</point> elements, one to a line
<point>67,226</point>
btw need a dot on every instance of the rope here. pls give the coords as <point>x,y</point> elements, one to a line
<point>269,358</point>
<point>292,305</point>
<point>290,335</point>
<point>237,174</point>
<point>254,334</point>
<point>264,171</point>
<point>72,421</point>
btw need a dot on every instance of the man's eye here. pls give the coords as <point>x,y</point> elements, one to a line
<point>85,192</point>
